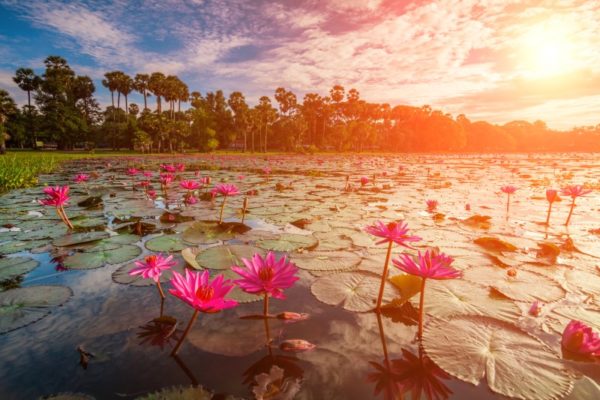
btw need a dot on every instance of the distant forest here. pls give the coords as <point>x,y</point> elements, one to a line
<point>62,110</point>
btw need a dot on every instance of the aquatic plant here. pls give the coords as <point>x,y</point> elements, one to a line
<point>429,265</point>
<point>580,340</point>
<point>574,191</point>
<point>393,232</point>
<point>431,205</point>
<point>225,190</point>
<point>58,196</point>
<point>551,196</point>
<point>152,268</point>
<point>203,295</point>
<point>509,190</point>
<point>266,276</point>
<point>81,178</point>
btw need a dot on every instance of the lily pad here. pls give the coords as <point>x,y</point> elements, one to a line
<point>96,259</point>
<point>223,257</point>
<point>326,260</point>
<point>166,243</point>
<point>523,286</point>
<point>16,246</point>
<point>179,393</point>
<point>79,238</point>
<point>514,363</point>
<point>23,306</point>
<point>460,297</point>
<point>354,291</point>
<point>494,244</point>
<point>288,242</point>
<point>207,232</point>
<point>15,266</point>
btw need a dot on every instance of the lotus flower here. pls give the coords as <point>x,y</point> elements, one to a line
<point>57,196</point>
<point>364,180</point>
<point>204,295</point>
<point>132,171</point>
<point>430,265</point>
<point>225,190</point>
<point>148,174</point>
<point>394,232</point>
<point>190,200</point>
<point>189,185</point>
<point>536,308</point>
<point>508,190</point>
<point>574,191</point>
<point>266,276</point>
<point>81,178</point>
<point>580,340</point>
<point>166,179</point>
<point>168,168</point>
<point>152,268</point>
<point>180,167</point>
<point>551,196</point>
<point>431,205</point>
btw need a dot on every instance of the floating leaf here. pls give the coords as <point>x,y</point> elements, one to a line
<point>409,285</point>
<point>15,266</point>
<point>514,363</point>
<point>207,232</point>
<point>494,244</point>
<point>354,291</point>
<point>180,393</point>
<point>288,242</point>
<point>68,396</point>
<point>326,260</point>
<point>523,286</point>
<point>166,243</point>
<point>478,222</point>
<point>226,256</point>
<point>586,282</point>
<point>79,238</point>
<point>23,306</point>
<point>16,246</point>
<point>459,297</point>
<point>96,259</point>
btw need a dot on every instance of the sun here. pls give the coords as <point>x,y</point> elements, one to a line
<point>547,51</point>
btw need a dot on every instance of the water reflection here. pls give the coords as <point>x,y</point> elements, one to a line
<point>414,374</point>
<point>161,332</point>
<point>274,376</point>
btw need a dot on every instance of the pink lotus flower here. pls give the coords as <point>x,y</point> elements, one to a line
<point>190,200</point>
<point>180,167</point>
<point>574,191</point>
<point>56,196</point>
<point>551,196</point>
<point>580,340</point>
<point>431,205</point>
<point>396,232</point>
<point>202,294</point>
<point>189,185</point>
<point>79,178</point>
<point>364,180</point>
<point>508,189</point>
<point>148,174</point>
<point>168,168</point>
<point>536,308</point>
<point>205,180</point>
<point>153,266</point>
<point>132,171</point>
<point>144,184</point>
<point>166,179</point>
<point>151,194</point>
<point>225,189</point>
<point>266,276</point>
<point>432,264</point>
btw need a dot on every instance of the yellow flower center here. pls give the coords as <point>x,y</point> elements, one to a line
<point>205,293</point>
<point>266,274</point>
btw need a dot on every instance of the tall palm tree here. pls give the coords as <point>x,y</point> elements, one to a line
<point>156,86</point>
<point>110,82</point>
<point>28,81</point>
<point>183,95</point>
<point>126,87</point>
<point>140,84</point>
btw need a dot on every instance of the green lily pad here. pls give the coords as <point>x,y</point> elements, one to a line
<point>327,260</point>
<point>16,246</point>
<point>354,291</point>
<point>514,363</point>
<point>166,243</point>
<point>180,393</point>
<point>288,242</point>
<point>15,266</point>
<point>114,242</point>
<point>224,257</point>
<point>96,259</point>
<point>79,238</point>
<point>23,306</point>
<point>47,232</point>
<point>208,232</point>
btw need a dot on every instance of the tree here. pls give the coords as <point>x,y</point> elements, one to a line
<point>28,81</point>
<point>7,108</point>
<point>125,87</point>
<point>141,85</point>
<point>156,86</point>
<point>241,116</point>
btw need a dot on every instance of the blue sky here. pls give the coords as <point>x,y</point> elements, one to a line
<point>498,60</point>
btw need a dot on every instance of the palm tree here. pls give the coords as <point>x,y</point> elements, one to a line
<point>111,84</point>
<point>156,86</point>
<point>28,81</point>
<point>184,95</point>
<point>140,84</point>
<point>126,87</point>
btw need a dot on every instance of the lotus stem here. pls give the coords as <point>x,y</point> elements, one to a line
<point>384,275</point>
<point>382,337</point>
<point>421,308</point>
<point>222,208</point>
<point>266,305</point>
<point>570,212</point>
<point>63,215</point>
<point>244,207</point>
<point>548,215</point>
<point>185,333</point>
<point>160,290</point>
<point>507,204</point>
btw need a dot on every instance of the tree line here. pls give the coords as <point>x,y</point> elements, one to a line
<point>61,109</point>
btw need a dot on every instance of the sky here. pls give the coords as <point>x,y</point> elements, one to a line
<point>496,60</point>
